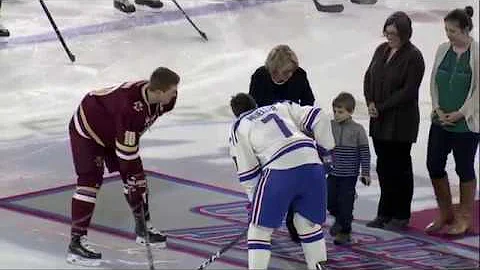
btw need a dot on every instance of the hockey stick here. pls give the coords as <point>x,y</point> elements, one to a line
<point>335,8</point>
<point>147,238</point>
<point>364,2</point>
<point>219,253</point>
<point>204,36</point>
<point>59,35</point>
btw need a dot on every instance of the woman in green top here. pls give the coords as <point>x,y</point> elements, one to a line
<point>455,121</point>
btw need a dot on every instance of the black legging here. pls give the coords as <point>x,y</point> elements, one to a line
<point>395,175</point>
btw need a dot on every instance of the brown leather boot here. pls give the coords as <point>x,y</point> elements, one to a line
<point>463,218</point>
<point>444,201</point>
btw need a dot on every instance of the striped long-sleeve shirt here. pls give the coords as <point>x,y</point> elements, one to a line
<point>351,152</point>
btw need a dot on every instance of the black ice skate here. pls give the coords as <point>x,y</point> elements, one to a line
<point>321,266</point>
<point>150,3</point>
<point>81,254</point>
<point>156,238</point>
<point>124,6</point>
<point>4,31</point>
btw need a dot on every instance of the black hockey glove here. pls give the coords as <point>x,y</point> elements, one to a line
<point>291,227</point>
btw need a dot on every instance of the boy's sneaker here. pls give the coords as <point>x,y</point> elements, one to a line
<point>342,239</point>
<point>155,237</point>
<point>79,252</point>
<point>336,228</point>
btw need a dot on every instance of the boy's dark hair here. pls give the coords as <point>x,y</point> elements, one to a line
<point>344,100</point>
<point>402,22</point>
<point>461,16</point>
<point>162,78</point>
<point>242,102</point>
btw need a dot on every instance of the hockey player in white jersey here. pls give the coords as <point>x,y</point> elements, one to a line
<point>275,152</point>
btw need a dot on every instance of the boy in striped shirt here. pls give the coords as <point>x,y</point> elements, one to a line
<point>352,155</point>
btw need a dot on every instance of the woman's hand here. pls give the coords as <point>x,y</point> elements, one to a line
<point>372,110</point>
<point>454,117</point>
<point>442,118</point>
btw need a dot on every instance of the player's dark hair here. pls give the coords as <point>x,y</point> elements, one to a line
<point>402,22</point>
<point>162,78</point>
<point>344,100</point>
<point>242,102</point>
<point>463,17</point>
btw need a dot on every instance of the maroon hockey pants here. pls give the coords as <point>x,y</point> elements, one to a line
<point>89,159</point>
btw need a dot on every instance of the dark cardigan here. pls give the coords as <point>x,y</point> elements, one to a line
<point>266,92</point>
<point>393,87</point>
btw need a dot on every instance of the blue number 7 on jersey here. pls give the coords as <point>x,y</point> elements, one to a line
<point>286,132</point>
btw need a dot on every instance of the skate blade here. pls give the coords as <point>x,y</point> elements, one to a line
<point>141,241</point>
<point>78,260</point>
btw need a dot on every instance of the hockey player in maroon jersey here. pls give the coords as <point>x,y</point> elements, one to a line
<point>105,129</point>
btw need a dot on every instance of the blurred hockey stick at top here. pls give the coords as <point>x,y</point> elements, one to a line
<point>204,36</point>
<point>59,35</point>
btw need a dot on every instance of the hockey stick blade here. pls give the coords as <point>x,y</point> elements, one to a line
<point>328,8</point>
<point>219,253</point>
<point>71,56</point>
<point>202,34</point>
<point>364,2</point>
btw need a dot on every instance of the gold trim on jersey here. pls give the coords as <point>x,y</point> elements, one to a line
<point>124,148</point>
<point>144,96</point>
<point>78,127</point>
<point>88,128</point>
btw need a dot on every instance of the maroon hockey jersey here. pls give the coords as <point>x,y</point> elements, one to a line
<point>115,118</point>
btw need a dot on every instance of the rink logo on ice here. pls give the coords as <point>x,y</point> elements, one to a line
<point>373,249</point>
<point>217,235</point>
<point>210,217</point>
<point>235,211</point>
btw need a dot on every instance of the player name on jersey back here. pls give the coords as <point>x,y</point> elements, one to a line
<point>276,138</point>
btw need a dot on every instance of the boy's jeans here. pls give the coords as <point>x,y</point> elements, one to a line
<point>341,197</point>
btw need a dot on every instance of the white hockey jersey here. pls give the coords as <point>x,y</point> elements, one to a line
<point>276,137</point>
